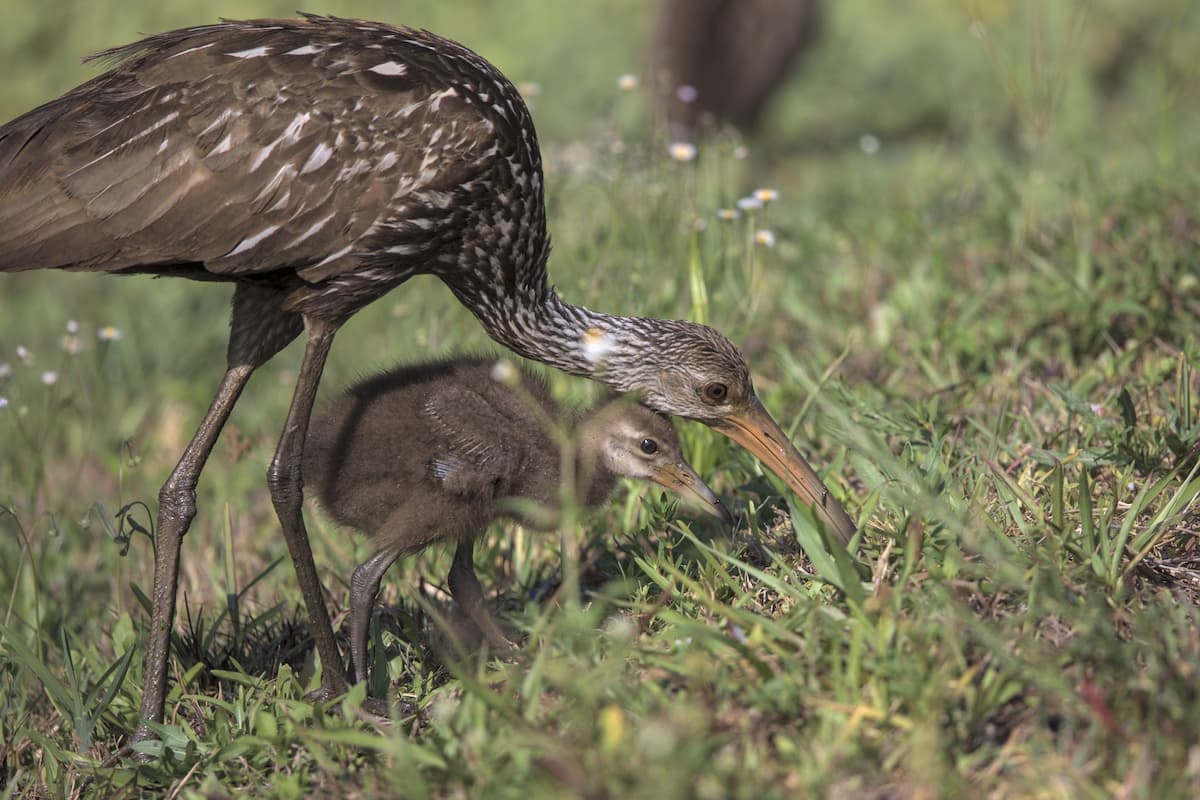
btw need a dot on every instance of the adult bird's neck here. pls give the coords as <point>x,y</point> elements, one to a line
<point>571,338</point>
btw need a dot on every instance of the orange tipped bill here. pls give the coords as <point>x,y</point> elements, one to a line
<point>759,433</point>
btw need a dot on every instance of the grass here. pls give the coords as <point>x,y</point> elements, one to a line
<point>984,334</point>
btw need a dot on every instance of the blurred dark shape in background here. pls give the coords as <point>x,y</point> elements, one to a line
<point>717,62</point>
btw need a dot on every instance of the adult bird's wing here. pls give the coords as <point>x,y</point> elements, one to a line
<point>226,150</point>
<point>477,454</point>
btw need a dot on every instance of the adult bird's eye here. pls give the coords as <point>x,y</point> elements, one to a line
<point>649,446</point>
<point>716,392</point>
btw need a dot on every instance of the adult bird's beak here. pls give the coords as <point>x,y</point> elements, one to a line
<point>682,479</point>
<point>759,433</point>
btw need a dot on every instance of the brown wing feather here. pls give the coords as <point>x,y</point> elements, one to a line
<point>246,148</point>
<point>476,450</point>
<point>160,168</point>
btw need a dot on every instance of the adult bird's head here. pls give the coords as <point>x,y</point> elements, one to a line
<point>677,367</point>
<point>692,371</point>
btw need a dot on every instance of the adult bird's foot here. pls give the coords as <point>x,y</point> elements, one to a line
<point>384,710</point>
<point>324,694</point>
<point>115,759</point>
<point>377,707</point>
<point>142,733</point>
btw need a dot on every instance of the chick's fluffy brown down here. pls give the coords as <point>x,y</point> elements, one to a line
<point>435,447</point>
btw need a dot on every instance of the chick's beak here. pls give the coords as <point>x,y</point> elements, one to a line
<point>683,480</point>
<point>759,433</point>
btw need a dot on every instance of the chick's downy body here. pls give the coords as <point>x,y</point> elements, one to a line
<point>438,444</point>
<point>435,452</point>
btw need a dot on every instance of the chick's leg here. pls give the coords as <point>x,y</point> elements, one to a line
<point>464,585</point>
<point>364,586</point>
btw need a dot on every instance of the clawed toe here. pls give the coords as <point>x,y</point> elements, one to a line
<point>323,694</point>
<point>377,707</point>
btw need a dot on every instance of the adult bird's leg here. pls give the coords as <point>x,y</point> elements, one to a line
<point>464,585</point>
<point>176,508</point>
<point>364,587</point>
<point>286,481</point>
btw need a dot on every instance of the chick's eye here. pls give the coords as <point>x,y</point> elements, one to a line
<point>716,392</point>
<point>649,446</point>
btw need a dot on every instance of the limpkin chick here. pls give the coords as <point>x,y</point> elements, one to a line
<point>434,452</point>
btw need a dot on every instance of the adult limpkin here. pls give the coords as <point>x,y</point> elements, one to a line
<point>316,164</point>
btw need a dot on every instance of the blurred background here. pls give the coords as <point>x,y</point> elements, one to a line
<point>936,70</point>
